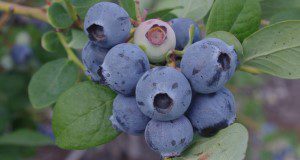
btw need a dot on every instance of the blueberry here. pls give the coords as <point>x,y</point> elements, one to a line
<point>123,66</point>
<point>163,93</point>
<point>92,57</point>
<point>208,64</point>
<point>127,117</point>
<point>156,37</point>
<point>209,113</point>
<point>108,24</point>
<point>21,54</point>
<point>181,27</point>
<point>169,138</point>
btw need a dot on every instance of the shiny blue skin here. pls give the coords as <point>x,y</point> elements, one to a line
<point>112,20</point>
<point>127,117</point>
<point>181,27</point>
<point>163,81</point>
<point>208,65</point>
<point>169,138</point>
<point>123,66</point>
<point>209,113</point>
<point>92,57</point>
<point>21,54</point>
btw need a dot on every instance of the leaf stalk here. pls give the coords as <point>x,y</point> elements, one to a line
<point>70,53</point>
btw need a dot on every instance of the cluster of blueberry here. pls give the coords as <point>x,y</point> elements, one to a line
<point>163,103</point>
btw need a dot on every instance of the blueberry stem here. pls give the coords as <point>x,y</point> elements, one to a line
<point>71,10</point>
<point>152,66</point>
<point>178,53</point>
<point>71,54</point>
<point>145,13</point>
<point>134,22</point>
<point>73,13</point>
<point>250,69</point>
<point>130,39</point>
<point>191,36</point>
<point>37,13</point>
<point>138,12</point>
<point>170,58</point>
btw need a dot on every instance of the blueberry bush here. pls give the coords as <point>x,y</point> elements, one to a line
<point>158,70</point>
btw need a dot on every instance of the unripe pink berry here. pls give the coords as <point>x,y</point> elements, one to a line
<point>156,37</point>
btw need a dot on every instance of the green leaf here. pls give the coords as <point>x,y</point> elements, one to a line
<point>129,6</point>
<point>11,152</point>
<point>18,83</point>
<point>81,116</point>
<point>230,39</point>
<point>285,15</point>
<point>272,7</point>
<point>228,144</point>
<point>245,80</point>
<point>82,6</point>
<point>25,137</point>
<point>79,39</point>
<point>239,17</point>
<point>50,81</point>
<point>164,14</point>
<point>147,4</point>
<point>275,50</point>
<point>5,118</point>
<point>168,17</point>
<point>58,16</point>
<point>194,9</point>
<point>51,43</point>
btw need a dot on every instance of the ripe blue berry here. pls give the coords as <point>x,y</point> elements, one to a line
<point>21,54</point>
<point>209,113</point>
<point>92,57</point>
<point>163,93</point>
<point>108,24</point>
<point>123,66</point>
<point>208,64</point>
<point>127,117</point>
<point>169,138</point>
<point>181,27</point>
<point>157,38</point>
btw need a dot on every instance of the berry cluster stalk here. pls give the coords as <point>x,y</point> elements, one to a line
<point>37,13</point>
<point>72,12</point>
<point>71,54</point>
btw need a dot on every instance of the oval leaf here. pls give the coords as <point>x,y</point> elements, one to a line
<point>239,17</point>
<point>194,9</point>
<point>58,16</point>
<point>228,144</point>
<point>25,137</point>
<point>230,39</point>
<point>272,7</point>
<point>164,14</point>
<point>275,50</point>
<point>81,117</point>
<point>285,15</point>
<point>79,39</point>
<point>82,6</point>
<point>50,81</point>
<point>129,6</point>
<point>51,43</point>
